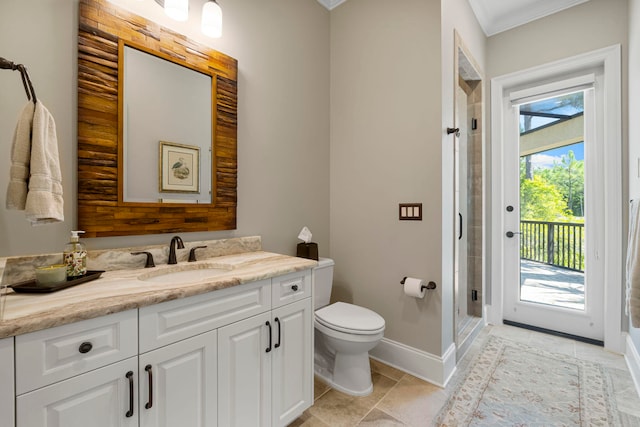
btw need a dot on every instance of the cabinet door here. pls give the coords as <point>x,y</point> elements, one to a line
<point>244,372</point>
<point>183,381</point>
<point>292,382</point>
<point>7,391</point>
<point>106,397</point>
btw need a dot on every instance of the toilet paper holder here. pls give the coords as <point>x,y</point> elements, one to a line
<point>430,285</point>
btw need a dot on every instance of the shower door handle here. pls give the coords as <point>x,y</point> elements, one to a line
<point>460,222</point>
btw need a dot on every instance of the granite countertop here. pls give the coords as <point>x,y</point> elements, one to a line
<point>120,290</point>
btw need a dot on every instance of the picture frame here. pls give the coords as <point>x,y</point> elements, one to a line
<point>179,168</point>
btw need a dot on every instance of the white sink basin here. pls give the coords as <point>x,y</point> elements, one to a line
<point>184,274</point>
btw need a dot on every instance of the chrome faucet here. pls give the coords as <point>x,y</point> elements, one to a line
<point>172,249</point>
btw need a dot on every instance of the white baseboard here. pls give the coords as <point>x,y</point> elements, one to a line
<point>437,370</point>
<point>633,362</point>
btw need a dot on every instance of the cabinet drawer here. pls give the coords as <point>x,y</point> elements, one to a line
<point>51,355</point>
<point>290,287</point>
<point>172,321</point>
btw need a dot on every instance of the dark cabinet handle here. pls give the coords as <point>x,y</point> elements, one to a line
<point>129,376</point>
<point>460,218</point>
<point>150,372</point>
<point>85,347</point>
<point>269,326</point>
<point>294,288</point>
<point>279,327</point>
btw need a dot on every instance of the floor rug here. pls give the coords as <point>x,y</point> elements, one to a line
<point>512,384</point>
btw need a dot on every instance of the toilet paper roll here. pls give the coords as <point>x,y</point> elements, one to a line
<point>414,287</point>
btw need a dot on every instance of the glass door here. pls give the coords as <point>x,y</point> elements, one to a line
<point>551,238</point>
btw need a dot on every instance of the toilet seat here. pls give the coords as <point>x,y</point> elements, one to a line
<point>350,319</point>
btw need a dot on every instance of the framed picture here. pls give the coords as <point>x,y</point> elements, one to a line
<point>179,168</point>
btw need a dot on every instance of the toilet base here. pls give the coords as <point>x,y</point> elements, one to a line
<point>348,373</point>
<point>338,387</point>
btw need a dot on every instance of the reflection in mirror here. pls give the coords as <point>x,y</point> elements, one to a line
<point>174,107</point>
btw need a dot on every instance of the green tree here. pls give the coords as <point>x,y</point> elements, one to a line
<point>541,200</point>
<point>568,177</point>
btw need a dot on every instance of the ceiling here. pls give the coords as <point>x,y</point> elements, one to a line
<point>496,16</point>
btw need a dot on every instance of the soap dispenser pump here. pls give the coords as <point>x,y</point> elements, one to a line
<point>75,256</point>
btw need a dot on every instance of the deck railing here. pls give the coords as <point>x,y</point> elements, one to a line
<point>554,243</point>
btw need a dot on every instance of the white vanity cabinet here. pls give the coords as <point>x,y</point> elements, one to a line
<point>265,371</point>
<point>7,407</point>
<point>199,361</point>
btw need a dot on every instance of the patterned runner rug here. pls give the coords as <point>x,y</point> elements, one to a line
<point>513,384</point>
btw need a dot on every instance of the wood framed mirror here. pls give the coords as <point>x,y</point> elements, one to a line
<point>103,209</point>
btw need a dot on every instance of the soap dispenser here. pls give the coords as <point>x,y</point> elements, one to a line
<point>75,256</point>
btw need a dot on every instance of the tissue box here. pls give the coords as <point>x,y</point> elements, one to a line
<point>308,250</point>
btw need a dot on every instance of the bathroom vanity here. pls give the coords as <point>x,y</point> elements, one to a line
<point>231,349</point>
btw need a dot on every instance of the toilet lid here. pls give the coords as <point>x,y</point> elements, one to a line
<point>350,318</point>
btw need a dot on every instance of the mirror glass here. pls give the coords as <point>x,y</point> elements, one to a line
<point>166,131</point>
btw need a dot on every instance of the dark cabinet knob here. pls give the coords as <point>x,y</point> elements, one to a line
<point>85,347</point>
<point>294,288</point>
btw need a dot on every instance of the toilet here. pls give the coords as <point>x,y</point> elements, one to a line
<point>344,334</point>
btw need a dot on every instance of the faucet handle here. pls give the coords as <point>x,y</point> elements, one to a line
<point>192,253</point>
<point>149,255</point>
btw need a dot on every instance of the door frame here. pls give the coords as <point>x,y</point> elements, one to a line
<point>610,59</point>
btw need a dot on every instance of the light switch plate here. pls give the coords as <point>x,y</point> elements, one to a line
<point>410,212</point>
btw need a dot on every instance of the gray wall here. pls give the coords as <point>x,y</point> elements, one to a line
<point>282,47</point>
<point>391,99</point>
<point>583,28</point>
<point>634,113</point>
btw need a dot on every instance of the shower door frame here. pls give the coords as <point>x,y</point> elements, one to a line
<point>475,137</point>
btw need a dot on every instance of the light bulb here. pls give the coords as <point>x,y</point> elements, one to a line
<point>212,19</point>
<point>177,9</point>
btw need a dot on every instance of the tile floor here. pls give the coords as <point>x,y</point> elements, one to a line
<point>400,399</point>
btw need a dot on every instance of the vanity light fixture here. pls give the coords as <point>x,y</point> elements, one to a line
<point>211,24</point>
<point>175,9</point>
<point>211,19</point>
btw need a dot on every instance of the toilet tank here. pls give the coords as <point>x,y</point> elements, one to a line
<point>322,282</point>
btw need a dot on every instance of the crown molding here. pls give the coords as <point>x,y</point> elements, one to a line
<point>331,4</point>
<point>496,16</point>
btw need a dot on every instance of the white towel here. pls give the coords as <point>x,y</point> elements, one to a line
<point>633,264</point>
<point>44,199</point>
<point>35,180</point>
<point>20,159</point>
